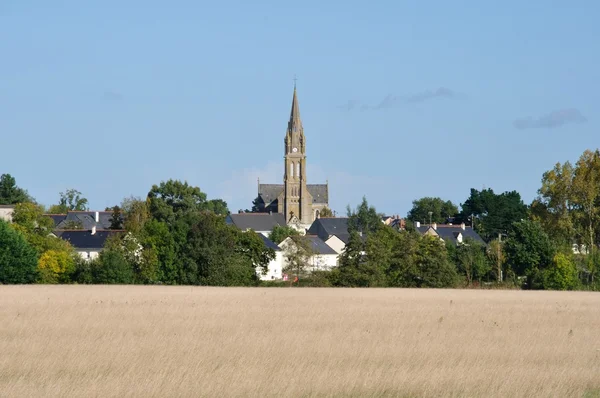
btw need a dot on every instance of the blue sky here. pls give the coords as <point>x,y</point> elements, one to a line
<point>399,99</point>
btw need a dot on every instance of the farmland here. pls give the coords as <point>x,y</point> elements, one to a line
<point>142,341</point>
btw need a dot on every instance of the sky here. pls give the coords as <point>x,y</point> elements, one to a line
<point>399,99</point>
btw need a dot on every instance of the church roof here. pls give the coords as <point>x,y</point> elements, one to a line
<point>270,192</point>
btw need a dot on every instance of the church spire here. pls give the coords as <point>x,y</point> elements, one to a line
<point>295,113</point>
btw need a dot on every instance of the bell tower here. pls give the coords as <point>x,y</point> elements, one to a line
<point>297,200</point>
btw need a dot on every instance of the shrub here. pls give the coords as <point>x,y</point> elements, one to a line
<point>18,260</point>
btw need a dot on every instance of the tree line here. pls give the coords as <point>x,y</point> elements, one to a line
<point>175,235</point>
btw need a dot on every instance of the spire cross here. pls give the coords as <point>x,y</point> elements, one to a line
<point>295,80</point>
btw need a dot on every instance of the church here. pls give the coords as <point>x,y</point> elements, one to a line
<point>299,202</point>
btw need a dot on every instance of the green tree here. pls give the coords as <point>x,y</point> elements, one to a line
<point>70,200</point>
<point>351,262</point>
<point>493,213</point>
<point>433,267</point>
<point>18,259</point>
<point>173,197</point>
<point>217,206</point>
<point>528,250</point>
<point>112,268</point>
<point>281,232</point>
<point>252,248</point>
<point>364,219</point>
<point>562,274</point>
<point>326,212</point>
<point>496,258</point>
<point>10,193</point>
<point>297,254</point>
<point>472,261</point>
<point>116,218</point>
<point>440,210</point>
<point>135,213</point>
<point>29,219</point>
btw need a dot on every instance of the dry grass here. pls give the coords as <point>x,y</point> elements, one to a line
<point>188,341</point>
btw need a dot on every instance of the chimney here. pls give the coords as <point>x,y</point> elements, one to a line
<point>94,229</point>
<point>417,224</point>
<point>462,226</point>
<point>97,216</point>
<point>434,225</point>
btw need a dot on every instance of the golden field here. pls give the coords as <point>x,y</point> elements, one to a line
<point>141,341</point>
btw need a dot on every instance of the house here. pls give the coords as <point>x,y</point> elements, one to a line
<point>87,243</point>
<point>326,227</point>
<point>6,212</point>
<point>275,267</point>
<point>324,258</point>
<point>449,232</point>
<point>262,223</point>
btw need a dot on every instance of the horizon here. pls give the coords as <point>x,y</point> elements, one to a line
<point>398,101</point>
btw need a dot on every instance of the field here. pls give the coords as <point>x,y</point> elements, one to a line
<point>119,341</point>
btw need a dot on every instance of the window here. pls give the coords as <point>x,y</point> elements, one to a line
<point>298,169</point>
<point>291,169</point>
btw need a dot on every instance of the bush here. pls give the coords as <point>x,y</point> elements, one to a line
<point>562,274</point>
<point>112,268</point>
<point>18,260</point>
<point>56,266</point>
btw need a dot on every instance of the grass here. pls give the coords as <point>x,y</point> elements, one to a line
<point>120,341</point>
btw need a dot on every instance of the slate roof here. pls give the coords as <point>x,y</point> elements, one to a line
<point>57,218</point>
<point>87,219</point>
<point>450,232</point>
<point>318,246</point>
<point>82,239</point>
<point>269,243</point>
<point>270,192</point>
<point>256,221</point>
<point>324,227</point>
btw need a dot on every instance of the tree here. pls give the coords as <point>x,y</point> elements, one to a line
<point>495,253</point>
<point>18,259</point>
<point>116,219</point>
<point>528,249</point>
<point>56,266</point>
<point>471,260</point>
<point>440,210</point>
<point>326,212</point>
<point>493,213</point>
<point>281,232</point>
<point>10,193</point>
<point>562,274</point>
<point>70,200</point>
<point>553,207</point>
<point>217,206</point>
<point>30,221</point>
<point>364,219</point>
<point>253,248</point>
<point>135,213</point>
<point>348,273</point>
<point>434,270</point>
<point>112,268</point>
<point>297,256</point>
<point>173,197</point>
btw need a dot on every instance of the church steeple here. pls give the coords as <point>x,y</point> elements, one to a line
<point>295,113</point>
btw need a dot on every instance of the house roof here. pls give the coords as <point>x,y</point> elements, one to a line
<point>269,243</point>
<point>82,239</point>
<point>256,221</point>
<point>269,192</point>
<point>450,232</point>
<point>324,227</point>
<point>319,246</point>
<point>87,219</point>
<point>7,206</point>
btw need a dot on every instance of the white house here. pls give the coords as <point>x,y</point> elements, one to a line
<point>6,212</point>
<point>87,243</point>
<point>324,257</point>
<point>275,267</point>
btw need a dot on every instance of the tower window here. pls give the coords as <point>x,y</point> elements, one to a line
<point>291,169</point>
<point>298,169</point>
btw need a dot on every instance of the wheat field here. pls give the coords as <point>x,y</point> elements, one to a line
<point>140,341</point>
